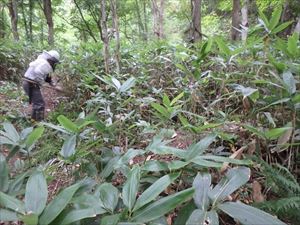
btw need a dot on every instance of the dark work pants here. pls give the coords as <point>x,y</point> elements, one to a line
<point>36,99</point>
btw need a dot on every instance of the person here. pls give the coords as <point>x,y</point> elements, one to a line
<point>37,75</point>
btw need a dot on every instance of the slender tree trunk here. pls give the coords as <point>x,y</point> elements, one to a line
<point>85,22</point>
<point>104,35</point>
<point>297,28</point>
<point>48,14</point>
<point>235,34</point>
<point>145,19</point>
<point>2,21</point>
<point>158,18</point>
<point>195,29</point>
<point>245,24</point>
<point>117,33</point>
<point>139,20</point>
<point>13,12</point>
<point>31,13</point>
<point>25,20</point>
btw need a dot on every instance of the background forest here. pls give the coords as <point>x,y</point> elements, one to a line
<point>171,112</point>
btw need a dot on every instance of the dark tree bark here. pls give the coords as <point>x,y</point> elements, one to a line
<point>25,20</point>
<point>48,14</point>
<point>158,18</point>
<point>195,29</point>
<point>236,20</point>
<point>13,12</point>
<point>104,35</point>
<point>117,33</point>
<point>2,21</point>
<point>31,14</point>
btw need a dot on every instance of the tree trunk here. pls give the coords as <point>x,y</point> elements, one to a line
<point>48,14</point>
<point>145,19</point>
<point>31,13</point>
<point>158,18</point>
<point>235,34</point>
<point>245,24</point>
<point>117,32</point>
<point>2,21</point>
<point>104,35</point>
<point>195,30</point>
<point>25,20</point>
<point>297,28</point>
<point>13,12</point>
<point>139,20</point>
<point>287,15</point>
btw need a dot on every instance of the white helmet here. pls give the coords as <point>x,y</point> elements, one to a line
<point>54,54</point>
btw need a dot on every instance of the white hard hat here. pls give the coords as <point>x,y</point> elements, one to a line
<point>54,54</point>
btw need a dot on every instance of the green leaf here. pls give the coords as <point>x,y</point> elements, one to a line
<point>116,83</point>
<point>202,186</point>
<point>127,84</point>
<point>155,166</point>
<point>34,136</point>
<point>36,193</point>
<point>276,103</point>
<point>16,185</point>
<point>7,215</point>
<point>264,20</point>
<point>289,81</point>
<point>200,217</point>
<point>200,147</point>
<point>292,46</point>
<point>11,132</point>
<point>255,130</point>
<point>58,204</point>
<point>110,220</point>
<point>11,203</point>
<point>226,159</point>
<point>234,179</point>
<point>166,101</point>
<point>3,174</point>
<point>248,215</point>
<point>205,163</point>
<point>247,92</point>
<point>6,141</point>
<point>109,196</point>
<point>130,188</point>
<point>275,18</point>
<point>275,133</point>
<point>161,109</point>
<point>224,49</point>
<point>154,190</point>
<point>67,124</point>
<point>30,219</point>
<point>108,169</point>
<point>184,213</point>
<point>68,148</point>
<point>77,215</point>
<point>162,206</point>
<point>281,27</point>
<point>176,98</point>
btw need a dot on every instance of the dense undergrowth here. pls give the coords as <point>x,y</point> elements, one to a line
<point>179,136</point>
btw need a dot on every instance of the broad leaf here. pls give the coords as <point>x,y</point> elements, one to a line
<point>162,206</point>
<point>58,204</point>
<point>289,82</point>
<point>127,84</point>
<point>12,203</point>
<point>275,18</point>
<point>234,179</point>
<point>3,174</point>
<point>77,215</point>
<point>36,193</point>
<point>30,219</point>
<point>205,163</point>
<point>200,217</point>
<point>281,27</point>
<point>200,147</point>
<point>202,186</point>
<point>248,215</point>
<point>11,132</point>
<point>67,124</point>
<point>154,190</point>
<point>68,148</point>
<point>130,188</point>
<point>275,133</point>
<point>116,83</point>
<point>226,159</point>
<point>34,136</point>
<point>109,196</point>
<point>7,215</point>
<point>292,45</point>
